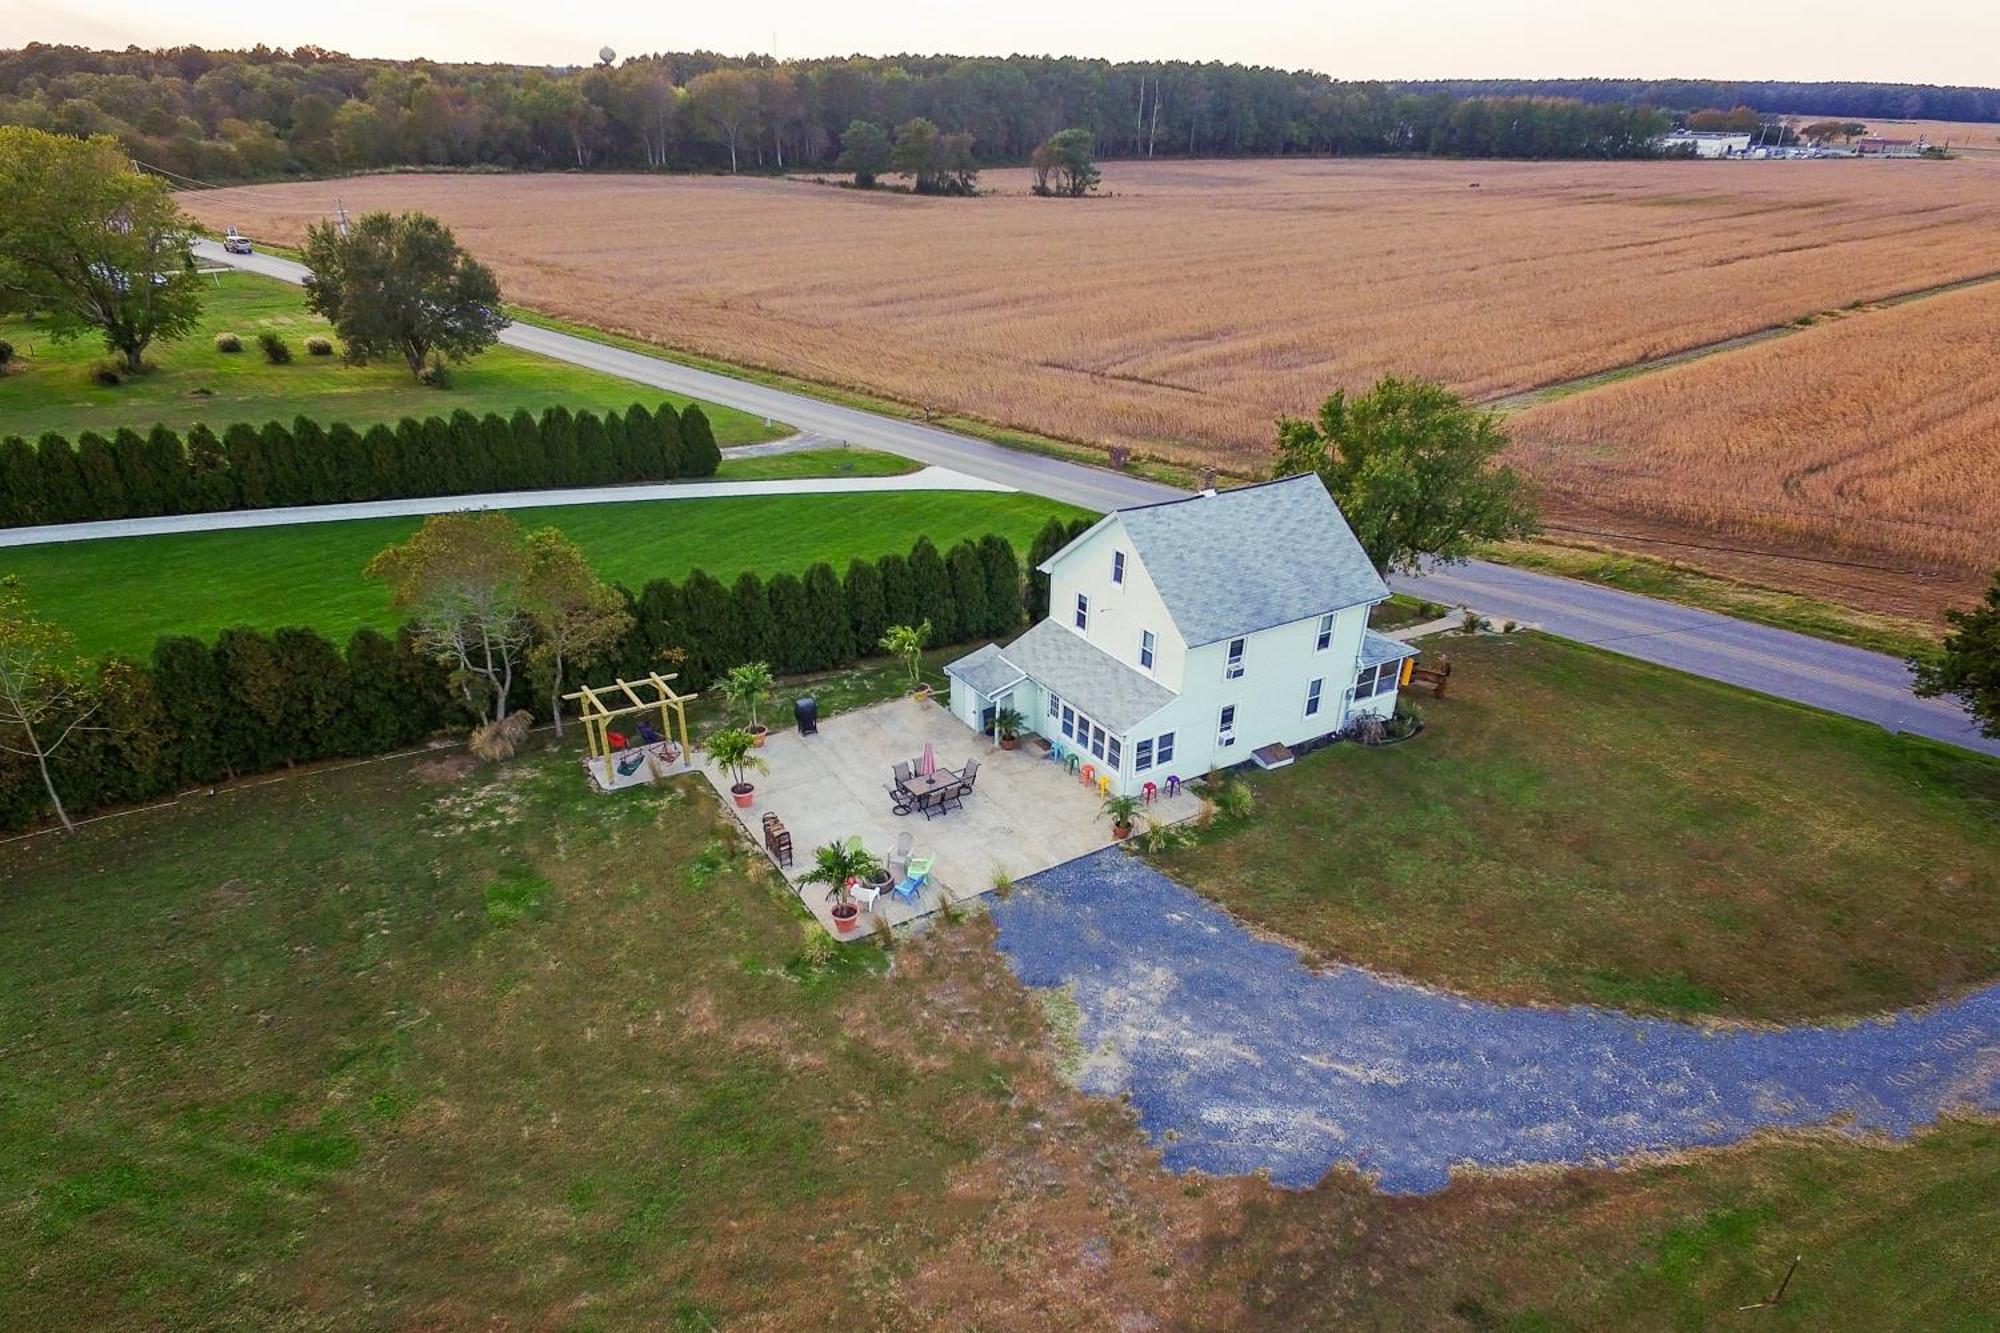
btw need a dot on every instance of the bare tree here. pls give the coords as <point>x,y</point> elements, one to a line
<point>46,692</point>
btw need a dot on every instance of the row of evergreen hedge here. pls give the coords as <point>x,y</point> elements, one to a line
<point>251,702</point>
<point>130,475</point>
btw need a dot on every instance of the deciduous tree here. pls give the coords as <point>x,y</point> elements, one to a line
<point>462,580</point>
<point>1968,668</point>
<point>47,695</point>
<point>1415,470</point>
<point>402,286</point>
<point>864,150</point>
<point>578,618</point>
<point>89,245</point>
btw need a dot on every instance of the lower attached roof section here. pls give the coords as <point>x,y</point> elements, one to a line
<point>1379,648</point>
<point>1117,697</point>
<point>987,671</point>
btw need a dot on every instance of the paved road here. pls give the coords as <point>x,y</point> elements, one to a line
<point>1860,684</point>
<point>923,479</point>
<point>1240,1059</point>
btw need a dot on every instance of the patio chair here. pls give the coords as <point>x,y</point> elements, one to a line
<point>913,880</point>
<point>970,775</point>
<point>899,800</point>
<point>951,798</point>
<point>902,771</point>
<point>899,860</point>
<point>865,895</point>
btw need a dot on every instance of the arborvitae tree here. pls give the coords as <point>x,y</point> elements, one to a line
<point>642,446</point>
<point>103,488</point>
<point>211,480</point>
<point>190,686</point>
<point>756,628</point>
<point>1003,584</point>
<point>660,632</point>
<point>144,486</point>
<point>899,594</point>
<point>1052,538</point>
<point>968,589</point>
<point>428,701</point>
<point>411,468</point>
<point>715,644</point>
<point>667,441</point>
<point>436,463</point>
<point>624,467</point>
<point>248,728</point>
<point>346,465</point>
<point>382,452</point>
<point>934,597</point>
<point>373,721</point>
<point>595,466</point>
<point>699,456</point>
<point>496,453</point>
<point>317,692</point>
<point>527,461</point>
<point>247,463</point>
<point>20,484</point>
<point>122,762</point>
<point>64,499</point>
<point>467,468</point>
<point>792,647</point>
<point>281,455</point>
<point>559,447</point>
<point>867,617</point>
<point>312,462</point>
<point>168,463</point>
<point>827,625</point>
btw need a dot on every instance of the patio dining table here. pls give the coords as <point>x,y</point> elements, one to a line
<point>930,784</point>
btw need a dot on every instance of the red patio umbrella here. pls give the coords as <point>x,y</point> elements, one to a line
<point>928,764</point>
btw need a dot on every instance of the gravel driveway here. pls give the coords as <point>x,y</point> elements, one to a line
<point>1240,1059</point>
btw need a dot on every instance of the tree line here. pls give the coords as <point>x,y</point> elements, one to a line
<point>251,702</point>
<point>130,475</point>
<point>1902,101</point>
<point>263,113</point>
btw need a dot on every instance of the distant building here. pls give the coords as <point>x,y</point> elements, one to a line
<point>1706,143</point>
<point>1876,146</point>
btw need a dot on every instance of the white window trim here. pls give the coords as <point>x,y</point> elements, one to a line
<point>1324,640</point>
<point>1148,650</point>
<point>1315,696</point>
<point>1232,662</point>
<point>1225,732</point>
<point>1080,616</point>
<point>1118,563</point>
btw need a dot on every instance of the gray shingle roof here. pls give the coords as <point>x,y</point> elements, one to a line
<point>1116,696</point>
<point>987,670</point>
<point>1381,648</point>
<point>1244,560</point>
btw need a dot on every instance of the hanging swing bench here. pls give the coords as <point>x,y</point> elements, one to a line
<point>626,746</point>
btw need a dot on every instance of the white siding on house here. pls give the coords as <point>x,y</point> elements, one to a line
<point>1119,612</point>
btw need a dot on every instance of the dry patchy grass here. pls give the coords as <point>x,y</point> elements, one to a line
<point>1198,300</point>
<point>1874,436</point>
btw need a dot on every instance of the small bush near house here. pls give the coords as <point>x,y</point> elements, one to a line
<point>228,342</point>
<point>318,346</point>
<point>6,351</point>
<point>108,376</point>
<point>435,376</point>
<point>276,350</point>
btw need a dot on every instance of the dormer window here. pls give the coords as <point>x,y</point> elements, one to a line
<point>1325,640</point>
<point>1118,567</point>
<point>1234,670</point>
<point>1083,613</point>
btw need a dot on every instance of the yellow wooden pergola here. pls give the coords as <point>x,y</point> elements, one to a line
<point>605,704</point>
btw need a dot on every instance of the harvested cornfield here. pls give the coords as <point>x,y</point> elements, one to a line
<point>1874,436</point>
<point>1197,301</point>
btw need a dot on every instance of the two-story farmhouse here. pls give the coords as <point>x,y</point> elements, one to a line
<point>1193,634</point>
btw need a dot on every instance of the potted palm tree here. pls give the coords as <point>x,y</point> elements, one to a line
<point>1009,724</point>
<point>840,866</point>
<point>735,750</point>
<point>746,686</point>
<point>907,642</point>
<point>1121,811</point>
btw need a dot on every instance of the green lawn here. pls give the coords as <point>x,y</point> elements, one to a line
<point>1578,826</point>
<point>50,386</point>
<point>122,594</point>
<point>366,1049</point>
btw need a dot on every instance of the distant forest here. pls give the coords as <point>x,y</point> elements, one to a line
<point>262,114</point>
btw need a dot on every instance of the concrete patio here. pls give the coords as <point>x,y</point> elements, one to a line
<point>1024,814</point>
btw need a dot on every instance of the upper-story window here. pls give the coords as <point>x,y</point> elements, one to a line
<point>1082,612</point>
<point>1325,640</point>
<point>1234,670</point>
<point>1117,566</point>
<point>1312,696</point>
<point>1146,643</point>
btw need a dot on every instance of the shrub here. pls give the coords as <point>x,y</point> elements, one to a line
<point>276,350</point>
<point>6,351</point>
<point>228,342</point>
<point>434,376</point>
<point>319,346</point>
<point>108,376</point>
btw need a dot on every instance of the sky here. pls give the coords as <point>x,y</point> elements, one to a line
<point>1952,41</point>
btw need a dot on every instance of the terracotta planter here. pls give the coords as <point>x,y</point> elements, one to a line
<point>744,793</point>
<point>1008,742</point>
<point>760,732</point>
<point>1121,831</point>
<point>844,917</point>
